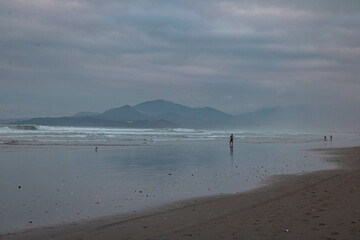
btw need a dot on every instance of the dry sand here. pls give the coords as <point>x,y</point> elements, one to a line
<point>319,205</point>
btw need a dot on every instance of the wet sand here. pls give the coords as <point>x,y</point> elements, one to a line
<point>318,205</point>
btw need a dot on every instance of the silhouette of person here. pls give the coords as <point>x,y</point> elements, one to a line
<point>324,138</point>
<point>231,140</point>
<point>330,138</point>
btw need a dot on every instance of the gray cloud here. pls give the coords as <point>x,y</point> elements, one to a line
<point>60,57</point>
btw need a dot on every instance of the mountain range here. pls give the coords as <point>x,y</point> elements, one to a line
<point>150,114</point>
<point>166,114</point>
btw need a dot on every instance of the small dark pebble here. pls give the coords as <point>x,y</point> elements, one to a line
<point>169,174</point>
<point>30,221</point>
<point>19,187</point>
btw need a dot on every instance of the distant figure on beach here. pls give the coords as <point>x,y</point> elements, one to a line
<point>325,138</point>
<point>96,149</point>
<point>330,138</point>
<point>231,140</point>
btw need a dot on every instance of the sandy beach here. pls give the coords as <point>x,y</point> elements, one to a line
<point>318,205</point>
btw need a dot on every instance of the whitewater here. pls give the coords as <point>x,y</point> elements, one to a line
<point>112,136</point>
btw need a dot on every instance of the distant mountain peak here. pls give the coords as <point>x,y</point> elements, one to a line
<point>158,107</point>
<point>124,113</point>
<point>156,101</point>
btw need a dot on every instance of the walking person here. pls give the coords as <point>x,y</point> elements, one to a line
<point>231,143</point>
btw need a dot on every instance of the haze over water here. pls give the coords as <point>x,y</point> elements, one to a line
<point>54,175</point>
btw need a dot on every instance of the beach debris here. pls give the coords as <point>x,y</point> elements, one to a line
<point>169,174</point>
<point>19,187</point>
<point>286,230</point>
<point>30,221</point>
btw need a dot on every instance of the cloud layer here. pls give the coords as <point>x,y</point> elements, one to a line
<point>59,57</point>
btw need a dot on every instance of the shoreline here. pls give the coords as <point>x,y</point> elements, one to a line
<point>320,204</point>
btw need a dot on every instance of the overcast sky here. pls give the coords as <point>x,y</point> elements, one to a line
<point>58,57</point>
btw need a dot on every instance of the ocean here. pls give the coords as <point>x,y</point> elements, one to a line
<point>53,175</point>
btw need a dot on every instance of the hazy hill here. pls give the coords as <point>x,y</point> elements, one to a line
<point>298,118</point>
<point>186,116</point>
<point>124,113</point>
<point>157,113</point>
<point>165,114</point>
<point>270,115</point>
<point>83,114</point>
<point>162,107</point>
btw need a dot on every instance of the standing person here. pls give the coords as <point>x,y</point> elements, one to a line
<point>325,138</point>
<point>231,140</point>
<point>331,138</point>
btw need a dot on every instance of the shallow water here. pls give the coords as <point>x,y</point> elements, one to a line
<point>69,183</point>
